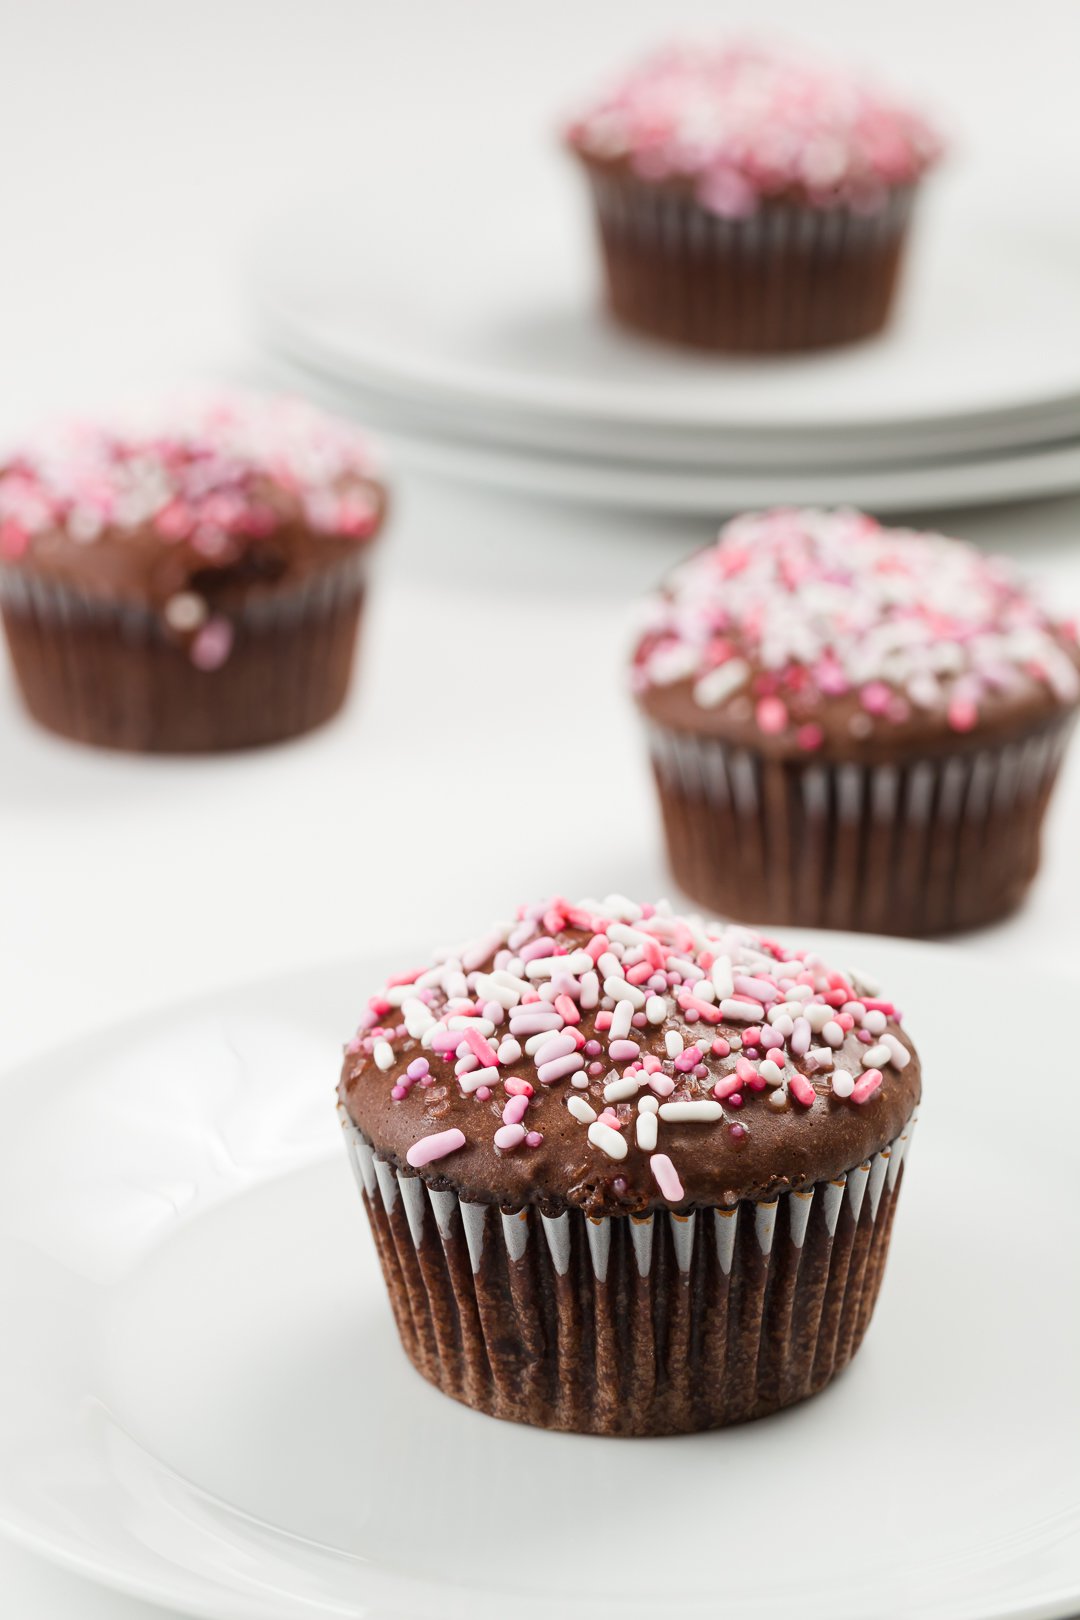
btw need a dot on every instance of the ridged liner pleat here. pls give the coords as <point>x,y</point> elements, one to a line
<point>107,673</point>
<point>929,847</point>
<point>632,1326</point>
<point>788,277</point>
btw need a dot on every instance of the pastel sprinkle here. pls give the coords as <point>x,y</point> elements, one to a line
<point>436,1146</point>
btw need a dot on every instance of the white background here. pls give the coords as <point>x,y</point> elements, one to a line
<point>143,145</point>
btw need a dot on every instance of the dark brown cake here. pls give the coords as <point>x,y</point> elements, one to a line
<point>749,202</point>
<point>190,586</point>
<point>629,1173</point>
<point>851,726</point>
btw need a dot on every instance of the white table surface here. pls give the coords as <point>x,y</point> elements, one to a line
<point>143,146</point>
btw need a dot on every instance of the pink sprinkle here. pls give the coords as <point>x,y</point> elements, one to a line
<point>509,1137</point>
<point>597,946</point>
<point>866,1087</point>
<point>662,1084</point>
<point>568,1008</point>
<point>720,1047</point>
<point>596,1068</point>
<point>624,1051</point>
<point>963,716</point>
<point>737,1132</point>
<point>703,1009</point>
<point>437,1146</point>
<point>610,1117</point>
<point>650,1062</point>
<point>592,1049</point>
<point>482,1048</point>
<point>418,1068</point>
<point>516,1087</point>
<point>213,644</point>
<point>772,715</point>
<point>534,1139</point>
<point>14,539</point>
<point>639,973</point>
<point>515,1110</point>
<point>483,1093</point>
<point>809,737</point>
<point>735,1100</point>
<point>801,1089</point>
<point>875,697</point>
<point>398,1092</point>
<point>666,1177</point>
<point>726,1086</point>
<point>776,1055</point>
<point>603,1021</point>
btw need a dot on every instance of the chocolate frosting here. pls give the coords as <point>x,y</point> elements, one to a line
<point>770,1150</point>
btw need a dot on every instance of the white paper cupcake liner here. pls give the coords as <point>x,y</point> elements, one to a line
<point>931,846</point>
<point>625,1325</point>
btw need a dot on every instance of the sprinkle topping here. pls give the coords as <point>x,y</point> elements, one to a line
<point>509,1051</point>
<point>746,123</point>
<point>791,609</point>
<point>198,487</point>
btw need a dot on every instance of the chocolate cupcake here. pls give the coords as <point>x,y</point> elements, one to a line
<point>748,201</point>
<point>190,584</point>
<point>852,726</point>
<point>628,1172</point>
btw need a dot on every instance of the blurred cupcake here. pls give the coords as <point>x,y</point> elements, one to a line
<point>628,1172</point>
<point>853,726</point>
<point>749,201</point>
<point>192,583</point>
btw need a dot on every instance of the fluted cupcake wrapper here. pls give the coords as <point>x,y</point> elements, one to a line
<point>931,846</point>
<point>632,1326</point>
<point>110,673</point>
<point>788,277</point>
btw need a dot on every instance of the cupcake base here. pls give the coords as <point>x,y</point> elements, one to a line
<point>109,675</point>
<point>790,277</point>
<point>930,847</point>
<point>624,1326</point>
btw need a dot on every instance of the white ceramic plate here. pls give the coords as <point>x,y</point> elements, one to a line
<point>202,1399</point>
<point>712,493</point>
<point>489,313</point>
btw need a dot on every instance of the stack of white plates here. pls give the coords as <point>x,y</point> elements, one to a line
<point>472,338</point>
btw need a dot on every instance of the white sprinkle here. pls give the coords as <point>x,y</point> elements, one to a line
<point>590,990</point>
<point>656,1009</point>
<point>383,1053</point>
<point>619,1090</point>
<point>723,977</point>
<point>875,1021</point>
<point>771,1072</point>
<point>676,1111</point>
<point>477,1078</point>
<point>842,1083</point>
<point>484,1025</point>
<point>610,965</point>
<point>607,1140</point>
<point>646,1131</point>
<point>621,1020</point>
<point>580,1110</point>
<point>509,1051</point>
<point>901,1057</point>
<point>820,1056</point>
<point>621,990</point>
<point>418,1018</point>
<point>721,683</point>
<point>874,1056</point>
<point>742,1012</point>
<point>833,1033</point>
<point>673,1043</point>
<point>548,1073</point>
<point>545,967</point>
<point>778,1098</point>
<point>817,1016</point>
<point>648,1104</point>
